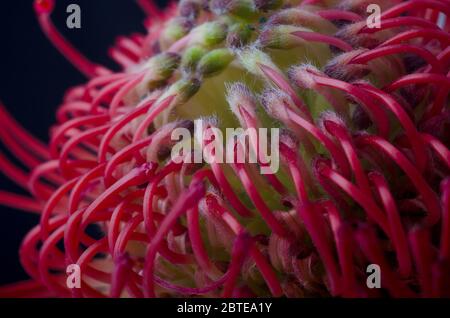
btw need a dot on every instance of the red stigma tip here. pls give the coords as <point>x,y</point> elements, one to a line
<point>44,6</point>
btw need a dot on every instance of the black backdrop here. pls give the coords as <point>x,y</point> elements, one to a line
<point>34,77</point>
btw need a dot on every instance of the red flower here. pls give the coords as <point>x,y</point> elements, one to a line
<point>365,180</point>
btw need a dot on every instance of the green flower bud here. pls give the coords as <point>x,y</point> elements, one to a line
<point>239,35</point>
<point>252,59</point>
<point>174,30</point>
<point>244,9</point>
<point>209,34</point>
<point>303,18</point>
<point>191,57</point>
<point>183,89</point>
<point>214,62</point>
<point>281,37</point>
<point>160,68</point>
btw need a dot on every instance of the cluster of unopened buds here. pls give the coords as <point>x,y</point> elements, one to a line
<point>364,124</point>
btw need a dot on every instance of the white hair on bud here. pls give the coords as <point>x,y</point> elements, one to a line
<point>340,67</point>
<point>329,115</point>
<point>202,206</point>
<point>301,75</point>
<point>212,121</point>
<point>332,116</point>
<point>273,91</point>
<point>221,7</point>
<point>288,138</point>
<point>350,34</point>
<point>238,94</point>
<point>275,102</point>
<point>213,191</point>
<point>251,57</point>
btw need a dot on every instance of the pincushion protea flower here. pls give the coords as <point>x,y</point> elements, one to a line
<point>365,118</point>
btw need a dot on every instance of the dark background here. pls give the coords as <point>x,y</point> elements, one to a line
<point>34,77</point>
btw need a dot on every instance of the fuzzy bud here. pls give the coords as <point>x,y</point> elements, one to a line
<point>239,35</point>
<point>340,67</point>
<point>302,18</point>
<point>277,103</point>
<point>252,59</point>
<point>239,95</point>
<point>174,30</point>
<point>214,62</point>
<point>183,89</point>
<point>282,37</point>
<point>289,145</point>
<point>191,57</point>
<point>328,121</point>
<point>245,9</point>
<point>303,75</point>
<point>351,35</point>
<point>160,68</point>
<point>208,34</point>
